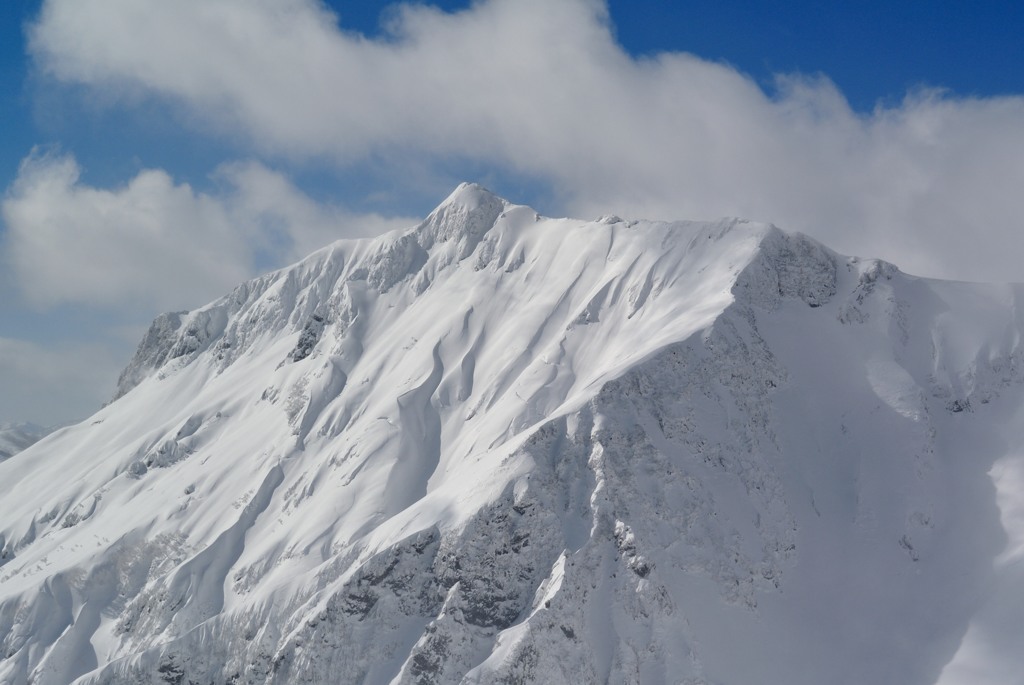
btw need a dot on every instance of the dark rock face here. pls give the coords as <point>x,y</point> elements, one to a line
<point>155,348</point>
<point>308,338</point>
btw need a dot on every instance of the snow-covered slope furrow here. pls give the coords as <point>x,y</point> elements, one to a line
<point>504,448</point>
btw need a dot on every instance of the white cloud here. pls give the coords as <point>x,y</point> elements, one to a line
<point>540,88</point>
<point>51,384</point>
<point>286,223</point>
<point>154,244</point>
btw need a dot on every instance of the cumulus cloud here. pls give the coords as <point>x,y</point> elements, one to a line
<point>155,244</point>
<point>541,89</point>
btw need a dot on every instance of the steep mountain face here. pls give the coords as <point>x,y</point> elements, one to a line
<point>504,448</point>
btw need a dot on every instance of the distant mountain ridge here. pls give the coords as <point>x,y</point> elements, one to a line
<point>15,437</point>
<point>500,447</point>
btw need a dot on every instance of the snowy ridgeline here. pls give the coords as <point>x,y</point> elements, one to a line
<point>504,448</point>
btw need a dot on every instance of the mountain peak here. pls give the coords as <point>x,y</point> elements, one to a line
<point>450,454</point>
<point>470,196</point>
<point>463,218</point>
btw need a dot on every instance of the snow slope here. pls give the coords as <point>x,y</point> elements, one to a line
<point>499,447</point>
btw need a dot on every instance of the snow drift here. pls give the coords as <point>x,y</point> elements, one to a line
<point>499,447</point>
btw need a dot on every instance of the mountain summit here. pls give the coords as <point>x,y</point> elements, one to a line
<point>498,447</point>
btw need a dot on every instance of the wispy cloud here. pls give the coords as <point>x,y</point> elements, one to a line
<point>540,88</point>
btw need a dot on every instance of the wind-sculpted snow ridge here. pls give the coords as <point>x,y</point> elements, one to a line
<point>502,448</point>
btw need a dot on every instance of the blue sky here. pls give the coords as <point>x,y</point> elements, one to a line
<point>154,154</point>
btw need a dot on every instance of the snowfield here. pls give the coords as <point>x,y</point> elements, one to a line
<point>503,448</point>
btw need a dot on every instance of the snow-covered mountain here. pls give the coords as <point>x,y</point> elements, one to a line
<point>498,447</point>
<point>14,437</point>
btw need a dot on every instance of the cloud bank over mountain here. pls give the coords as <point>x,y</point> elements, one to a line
<point>542,89</point>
